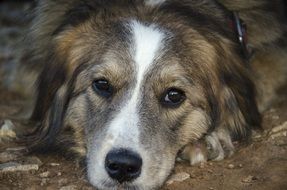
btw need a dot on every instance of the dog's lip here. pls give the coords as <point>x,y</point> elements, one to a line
<point>116,185</point>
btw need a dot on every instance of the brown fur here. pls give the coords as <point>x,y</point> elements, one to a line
<point>72,37</point>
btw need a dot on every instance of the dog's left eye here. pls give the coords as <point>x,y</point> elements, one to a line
<point>173,97</point>
<point>102,87</point>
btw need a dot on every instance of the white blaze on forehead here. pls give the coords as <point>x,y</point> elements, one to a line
<point>147,41</point>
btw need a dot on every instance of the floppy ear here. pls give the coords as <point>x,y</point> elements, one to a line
<point>239,112</point>
<point>54,80</point>
<point>49,112</point>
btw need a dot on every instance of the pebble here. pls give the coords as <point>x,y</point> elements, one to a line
<point>179,177</point>
<point>59,174</point>
<point>249,179</point>
<point>6,131</point>
<point>7,157</point>
<point>17,149</point>
<point>15,167</point>
<point>54,164</point>
<point>240,166</point>
<point>33,160</point>
<point>230,166</point>
<point>45,174</point>
<point>69,187</point>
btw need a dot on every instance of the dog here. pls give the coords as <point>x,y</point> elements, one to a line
<point>132,84</point>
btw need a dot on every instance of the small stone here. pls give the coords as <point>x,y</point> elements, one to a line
<point>211,188</point>
<point>69,187</point>
<point>63,181</point>
<point>240,166</point>
<point>210,163</point>
<point>7,131</point>
<point>54,164</point>
<point>17,149</point>
<point>59,174</point>
<point>249,179</point>
<point>7,157</point>
<point>179,177</point>
<point>230,166</point>
<point>45,174</point>
<point>15,167</point>
<point>33,160</point>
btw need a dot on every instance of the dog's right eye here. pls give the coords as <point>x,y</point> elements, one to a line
<point>173,97</point>
<point>103,88</point>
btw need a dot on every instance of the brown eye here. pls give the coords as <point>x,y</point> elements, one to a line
<point>173,97</point>
<point>102,87</point>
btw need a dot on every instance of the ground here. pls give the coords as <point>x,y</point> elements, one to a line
<point>261,165</point>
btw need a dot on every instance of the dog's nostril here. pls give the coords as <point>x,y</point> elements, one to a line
<point>113,167</point>
<point>123,165</point>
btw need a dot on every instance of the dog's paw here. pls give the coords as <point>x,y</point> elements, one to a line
<point>219,145</point>
<point>195,153</point>
<point>7,131</point>
<point>215,146</point>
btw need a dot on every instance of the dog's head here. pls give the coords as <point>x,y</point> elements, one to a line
<point>135,82</point>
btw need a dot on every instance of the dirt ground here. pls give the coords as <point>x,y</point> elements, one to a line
<point>261,165</point>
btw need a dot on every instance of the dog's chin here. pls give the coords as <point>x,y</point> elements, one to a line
<point>109,184</point>
<point>106,183</point>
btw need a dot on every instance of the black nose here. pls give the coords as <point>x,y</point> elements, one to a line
<point>123,165</point>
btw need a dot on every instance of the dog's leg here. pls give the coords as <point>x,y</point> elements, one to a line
<point>195,153</point>
<point>219,145</point>
<point>215,146</point>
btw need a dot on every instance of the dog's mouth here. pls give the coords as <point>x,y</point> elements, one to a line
<point>119,186</point>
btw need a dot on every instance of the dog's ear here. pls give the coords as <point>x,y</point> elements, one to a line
<point>54,80</point>
<point>74,16</point>
<point>50,105</point>
<point>237,97</point>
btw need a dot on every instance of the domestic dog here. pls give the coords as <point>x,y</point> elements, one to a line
<point>132,84</point>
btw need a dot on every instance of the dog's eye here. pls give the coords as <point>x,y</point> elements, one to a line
<point>173,97</point>
<point>103,88</point>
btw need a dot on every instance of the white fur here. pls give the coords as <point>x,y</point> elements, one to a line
<point>147,41</point>
<point>213,140</point>
<point>197,158</point>
<point>123,131</point>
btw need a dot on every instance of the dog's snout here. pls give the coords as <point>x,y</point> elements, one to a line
<point>123,165</point>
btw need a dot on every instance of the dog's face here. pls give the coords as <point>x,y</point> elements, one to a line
<point>136,89</point>
<point>137,102</point>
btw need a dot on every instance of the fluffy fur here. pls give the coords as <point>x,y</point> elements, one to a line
<point>77,41</point>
